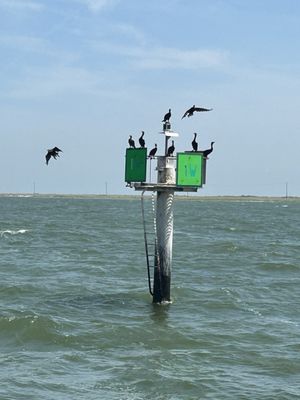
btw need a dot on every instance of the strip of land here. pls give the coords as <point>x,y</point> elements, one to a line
<point>185,197</point>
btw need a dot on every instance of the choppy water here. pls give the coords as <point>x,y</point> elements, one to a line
<point>77,322</point>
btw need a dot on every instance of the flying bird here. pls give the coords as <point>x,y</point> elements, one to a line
<point>131,142</point>
<point>191,111</point>
<point>208,151</point>
<point>171,149</point>
<point>56,149</point>
<point>153,151</point>
<point>194,143</point>
<point>52,153</point>
<point>141,140</point>
<point>167,116</point>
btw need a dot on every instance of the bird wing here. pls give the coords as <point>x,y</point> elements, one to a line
<point>189,111</point>
<point>185,114</point>
<point>202,109</point>
<point>48,156</point>
<point>56,149</point>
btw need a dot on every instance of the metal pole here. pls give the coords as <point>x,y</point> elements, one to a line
<point>164,223</point>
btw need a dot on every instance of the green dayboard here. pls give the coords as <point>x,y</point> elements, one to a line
<point>135,165</point>
<point>189,169</point>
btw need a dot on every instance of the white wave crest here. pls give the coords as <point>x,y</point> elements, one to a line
<point>13,232</point>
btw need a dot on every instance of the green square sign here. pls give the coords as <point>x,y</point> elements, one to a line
<point>135,165</point>
<point>189,169</point>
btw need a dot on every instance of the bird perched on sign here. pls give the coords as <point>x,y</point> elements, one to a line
<point>167,116</point>
<point>194,143</point>
<point>131,142</point>
<point>52,153</point>
<point>171,149</point>
<point>208,151</point>
<point>153,151</point>
<point>142,140</point>
<point>191,111</point>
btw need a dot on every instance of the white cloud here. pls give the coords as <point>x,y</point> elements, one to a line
<point>21,5</point>
<point>160,58</point>
<point>98,5</point>
<point>167,57</point>
<point>28,43</point>
<point>37,47</point>
<point>130,32</point>
<point>56,81</point>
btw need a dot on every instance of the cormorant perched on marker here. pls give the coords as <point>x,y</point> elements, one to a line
<point>131,142</point>
<point>191,111</point>
<point>167,116</point>
<point>171,149</point>
<point>141,140</point>
<point>208,151</point>
<point>194,143</point>
<point>52,153</point>
<point>153,151</point>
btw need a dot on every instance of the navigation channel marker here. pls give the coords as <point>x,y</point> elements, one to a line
<point>189,169</point>
<point>135,166</point>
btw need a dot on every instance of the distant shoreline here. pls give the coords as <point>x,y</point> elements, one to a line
<point>190,197</point>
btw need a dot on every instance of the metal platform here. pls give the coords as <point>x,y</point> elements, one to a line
<point>161,187</point>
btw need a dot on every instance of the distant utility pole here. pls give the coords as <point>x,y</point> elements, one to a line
<point>106,188</point>
<point>34,188</point>
<point>286,190</point>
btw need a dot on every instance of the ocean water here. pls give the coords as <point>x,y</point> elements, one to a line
<point>77,321</point>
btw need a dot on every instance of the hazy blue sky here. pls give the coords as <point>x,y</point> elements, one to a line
<point>84,74</point>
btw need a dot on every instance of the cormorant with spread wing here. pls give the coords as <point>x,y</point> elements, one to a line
<point>142,140</point>
<point>153,151</point>
<point>52,153</point>
<point>191,111</point>
<point>208,151</point>
<point>171,149</point>
<point>131,142</point>
<point>167,116</point>
<point>194,143</point>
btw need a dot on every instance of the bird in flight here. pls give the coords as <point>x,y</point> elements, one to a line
<point>208,151</point>
<point>153,151</point>
<point>171,149</point>
<point>131,142</point>
<point>142,140</point>
<point>52,153</point>
<point>167,116</point>
<point>191,111</point>
<point>194,143</point>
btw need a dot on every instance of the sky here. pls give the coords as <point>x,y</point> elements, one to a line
<point>85,74</point>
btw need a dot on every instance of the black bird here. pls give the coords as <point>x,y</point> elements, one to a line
<point>141,140</point>
<point>167,116</point>
<point>153,151</point>
<point>52,153</point>
<point>194,143</point>
<point>191,111</point>
<point>208,151</point>
<point>57,150</point>
<point>131,142</point>
<point>171,149</point>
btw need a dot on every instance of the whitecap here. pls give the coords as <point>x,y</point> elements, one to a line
<point>13,232</point>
